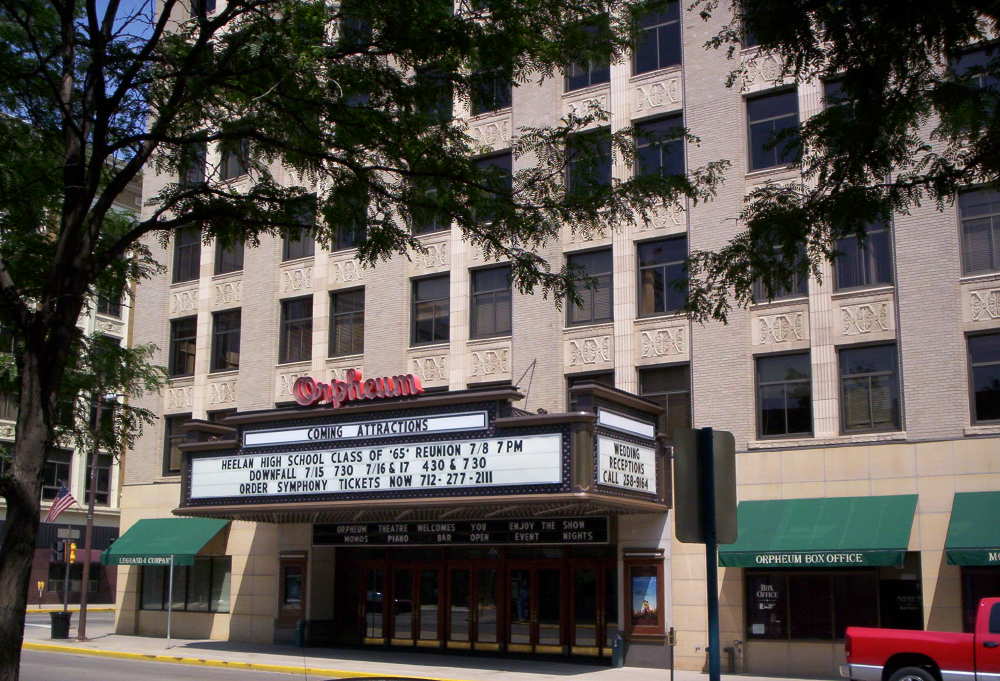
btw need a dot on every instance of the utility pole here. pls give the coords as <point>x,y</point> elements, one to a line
<point>88,534</point>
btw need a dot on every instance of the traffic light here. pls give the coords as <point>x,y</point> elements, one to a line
<point>72,552</point>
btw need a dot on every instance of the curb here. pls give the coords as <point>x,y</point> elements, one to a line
<point>42,611</point>
<point>197,661</point>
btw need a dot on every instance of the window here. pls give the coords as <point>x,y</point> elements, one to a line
<point>659,43</point>
<point>658,147</point>
<point>235,160</point>
<point>588,162</point>
<point>347,322</point>
<point>500,181</point>
<point>984,370</point>
<point>865,263</point>
<point>662,276</point>
<point>206,6</point>
<point>977,583</point>
<point>833,93</point>
<point>773,122</point>
<point>749,39</point>
<point>296,330</point>
<point>810,605</point>
<point>606,378</point>
<point>980,211</point>
<point>430,312</point>
<point>784,395</point>
<point>355,227</point>
<point>491,91</point>
<point>226,340</point>
<point>110,303</point>
<point>187,253</point>
<point>229,258</point>
<point>8,406</point>
<point>594,275</point>
<point>299,244</point>
<point>192,167</point>
<point>491,302</point>
<point>173,436</point>
<point>427,218</point>
<point>103,495</point>
<point>869,388</point>
<point>977,65</point>
<point>183,333</point>
<point>670,387</point>
<point>8,338</point>
<point>765,292</point>
<point>591,71</point>
<point>434,94</point>
<point>56,472</point>
<point>202,587</point>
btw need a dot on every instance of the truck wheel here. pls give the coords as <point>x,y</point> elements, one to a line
<point>912,674</point>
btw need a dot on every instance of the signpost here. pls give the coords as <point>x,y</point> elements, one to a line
<point>705,511</point>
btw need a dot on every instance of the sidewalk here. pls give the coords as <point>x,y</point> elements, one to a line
<point>104,607</point>
<point>348,663</point>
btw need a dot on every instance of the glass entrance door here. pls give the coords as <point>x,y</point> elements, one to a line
<point>536,613</point>
<point>428,607</point>
<point>373,609</point>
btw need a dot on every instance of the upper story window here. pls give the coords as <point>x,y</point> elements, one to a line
<point>659,148</point>
<point>984,373</point>
<point>110,303</point>
<point>594,274</point>
<point>301,244</point>
<point>430,313</point>
<point>798,287</point>
<point>56,472</point>
<point>833,93</point>
<point>659,43</point>
<point>977,66</point>
<point>8,407</point>
<point>492,90</point>
<point>347,322</point>
<point>435,93</point>
<point>588,162</point>
<point>592,71</point>
<point>296,330</point>
<point>662,276</point>
<point>173,437</point>
<point>102,497</point>
<point>235,159</point>
<point>202,6</point>
<point>772,129</point>
<point>869,388</point>
<point>187,253</point>
<point>865,263</point>
<point>193,159</point>
<point>980,211</point>
<point>226,340</point>
<point>500,179</point>
<point>183,335</point>
<point>491,307</point>
<point>427,218</point>
<point>671,388</point>
<point>229,258</point>
<point>784,395</point>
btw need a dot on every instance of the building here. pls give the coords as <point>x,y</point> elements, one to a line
<point>67,466</point>
<point>863,405</point>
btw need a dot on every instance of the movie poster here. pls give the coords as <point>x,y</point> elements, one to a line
<point>645,597</point>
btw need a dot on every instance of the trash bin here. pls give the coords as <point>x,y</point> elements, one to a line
<point>618,652</point>
<point>60,623</point>
<point>300,633</point>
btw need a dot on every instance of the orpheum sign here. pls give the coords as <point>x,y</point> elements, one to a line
<point>308,391</point>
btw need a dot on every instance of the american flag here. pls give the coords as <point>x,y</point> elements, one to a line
<point>62,501</point>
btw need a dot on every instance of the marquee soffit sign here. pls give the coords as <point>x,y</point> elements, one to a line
<point>308,391</point>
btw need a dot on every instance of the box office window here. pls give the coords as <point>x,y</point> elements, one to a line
<point>56,472</point>
<point>347,322</point>
<point>202,587</point>
<point>784,395</point>
<point>296,330</point>
<point>984,372</point>
<point>669,387</point>
<point>183,334</point>
<point>659,44</point>
<point>431,310</point>
<point>226,340</point>
<point>772,122</point>
<point>816,605</point>
<point>173,437</point>
<point>869,388</point>
<point>187,253</point>
<point>865,263</point>
<point>662,276</point>
<point>593,271</point>
<point>491,296</point>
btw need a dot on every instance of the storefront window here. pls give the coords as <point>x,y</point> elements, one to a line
<point>767,606</point>
<point>202,587</point>
<point>977,583</point>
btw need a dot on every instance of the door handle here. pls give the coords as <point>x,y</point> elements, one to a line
<point>991,644</point>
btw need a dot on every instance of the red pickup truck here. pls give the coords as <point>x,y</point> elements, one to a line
<point>906,655</point>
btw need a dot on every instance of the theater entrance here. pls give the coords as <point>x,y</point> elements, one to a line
<point>555,601</point>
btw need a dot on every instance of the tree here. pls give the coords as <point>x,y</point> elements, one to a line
<point>912,116</point>
<point>351,101</point>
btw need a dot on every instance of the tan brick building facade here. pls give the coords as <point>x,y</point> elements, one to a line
<point>932,447</point>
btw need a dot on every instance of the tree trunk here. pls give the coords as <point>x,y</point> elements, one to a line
<point>21,491</point>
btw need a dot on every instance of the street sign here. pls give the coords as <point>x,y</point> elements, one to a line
<point>67,533</point>
<point>689,489</point>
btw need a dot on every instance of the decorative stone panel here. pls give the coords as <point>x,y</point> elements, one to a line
<point>577,237</point>
<point>111,326</point>
<point>489,362</point>
<point>337,369</point>
<point>983,305</point>
<point>347,272</point>
<point>659,95</point>
<point>180,397</point>
<point>227,292</point>
<point>184,301</point>
<point>789,327</point>
<point>582,103</point>
<point>285,378</point>
<point>222,392</point>
<point>296,279</point>
<point>663,342</point>
<point>864,319</point>
<point>431,368</point>
<point>493,132</point>
<point>589,351</point>
<point>761,71</point>
<point>435,258</point>
<point>668,219</point>
<point>7,431</point>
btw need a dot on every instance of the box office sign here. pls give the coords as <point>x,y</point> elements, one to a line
<point>493,532</point>
<point>626,465</point>
<point>443,465</point>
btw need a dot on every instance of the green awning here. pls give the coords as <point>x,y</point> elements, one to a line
<point>974,533</point>
<point>153,541</point>
<point>834,532</point>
